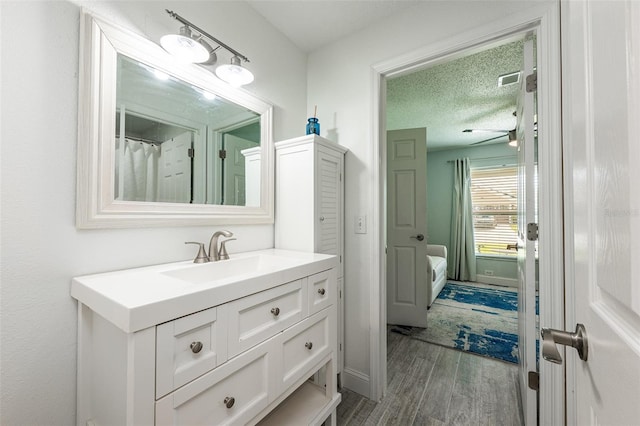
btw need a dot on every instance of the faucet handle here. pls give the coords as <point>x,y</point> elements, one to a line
<point>222,253</point>
<point>201,257</point>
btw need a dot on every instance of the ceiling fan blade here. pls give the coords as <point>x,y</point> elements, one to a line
<point>488,140</point>
<point>485,131</point>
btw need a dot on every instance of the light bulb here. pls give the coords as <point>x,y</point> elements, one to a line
<point>234,73</point>
<point>184,48</point>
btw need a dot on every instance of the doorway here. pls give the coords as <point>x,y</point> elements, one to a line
<point>544,21</point>
<point>472,109</point>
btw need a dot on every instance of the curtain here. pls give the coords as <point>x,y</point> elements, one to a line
<point>462,260</point>
<point>139,167</point>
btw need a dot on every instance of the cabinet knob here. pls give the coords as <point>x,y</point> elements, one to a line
<point>308,345</point>
<point>229,401</point>
<point>321,218</point>
<point>196,347</point>
<point>275,311</point>
<point>321,291</point>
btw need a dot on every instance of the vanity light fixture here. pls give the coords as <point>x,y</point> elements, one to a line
<point>185,47</point>
<point>234,73</point>
<point>193,48</point>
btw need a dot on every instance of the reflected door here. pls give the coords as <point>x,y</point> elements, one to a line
<point>233,175</point>
<point>175,170</point>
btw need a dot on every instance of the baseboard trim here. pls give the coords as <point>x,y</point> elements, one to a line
<point>356,381</point>
<point>490,279</point>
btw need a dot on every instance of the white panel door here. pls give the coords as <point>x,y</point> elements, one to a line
<point>526,247</point>
<point>175,172</point>
<point>407,290</point>
<point>601,100</point>
<point>233,193</point>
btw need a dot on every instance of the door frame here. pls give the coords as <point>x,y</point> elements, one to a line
<point>545,19</point>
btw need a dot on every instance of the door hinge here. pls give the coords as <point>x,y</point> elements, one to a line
<point>340,258</point>
<point>222,153</point>
<point>534,380</point>
<point>190,153</point>
<point>532,82</point>
<point>340,177</point>
<point>532,231</point>
<point>340,346</point>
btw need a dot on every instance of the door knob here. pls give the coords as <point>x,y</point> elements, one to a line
<point>418,237</point>
<point>577,339</point>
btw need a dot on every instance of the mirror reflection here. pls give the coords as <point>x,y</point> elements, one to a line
<point>178,143</point>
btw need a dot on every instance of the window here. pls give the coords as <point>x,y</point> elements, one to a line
<point>494,201</point>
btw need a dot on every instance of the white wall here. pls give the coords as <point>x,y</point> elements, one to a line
<point>340,82</point>
<point>41,248</point>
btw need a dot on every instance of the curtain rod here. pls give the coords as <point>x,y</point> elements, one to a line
<point>489,158</point>
<point>135,139</point>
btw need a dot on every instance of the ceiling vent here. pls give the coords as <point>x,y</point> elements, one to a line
<point>509,79</point>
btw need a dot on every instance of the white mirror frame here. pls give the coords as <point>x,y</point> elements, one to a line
<point>100,43</point>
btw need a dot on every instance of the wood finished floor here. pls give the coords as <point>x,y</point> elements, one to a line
<point>433,385</point>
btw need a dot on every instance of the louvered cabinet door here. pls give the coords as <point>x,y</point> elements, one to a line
<point>329,203</point>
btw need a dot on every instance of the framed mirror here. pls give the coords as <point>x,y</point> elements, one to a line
<point>163,143</point>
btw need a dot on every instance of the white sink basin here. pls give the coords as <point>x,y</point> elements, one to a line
<point>134,299</point>
<point>199,273</point>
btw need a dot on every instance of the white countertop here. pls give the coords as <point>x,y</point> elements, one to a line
<point>134,299</point>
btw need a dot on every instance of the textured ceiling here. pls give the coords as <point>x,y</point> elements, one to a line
<point>457,95</point>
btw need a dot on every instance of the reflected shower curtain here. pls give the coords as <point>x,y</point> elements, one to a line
<point>462,257</point>
<point>138,165</point>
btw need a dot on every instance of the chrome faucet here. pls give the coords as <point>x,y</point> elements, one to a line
<point>218,253</point>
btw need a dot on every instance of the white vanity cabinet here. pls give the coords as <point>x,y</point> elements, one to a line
<point>310,202</point>
<point>245,360</point>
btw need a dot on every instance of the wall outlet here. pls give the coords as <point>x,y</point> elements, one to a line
<point>488,272</point>
<point>360,224</point>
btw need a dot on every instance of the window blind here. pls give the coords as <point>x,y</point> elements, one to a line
<point>494,201</point>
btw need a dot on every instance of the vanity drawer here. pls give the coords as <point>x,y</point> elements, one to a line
<point>322,291</point>
<point>233,393</point>
<point>188,347</point>
<point>255,318</point>
<point>304,345</point>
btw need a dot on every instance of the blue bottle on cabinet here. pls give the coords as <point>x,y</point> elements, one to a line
<point>313,127</point>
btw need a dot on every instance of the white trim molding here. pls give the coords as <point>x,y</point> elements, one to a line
<point>492,279</point>
<point>355,381</point>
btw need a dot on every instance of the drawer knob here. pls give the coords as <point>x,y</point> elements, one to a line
<point>308,345</point>
<point>321,291</point>
<point>275,311</point>
<point>196,347</point>
<point>229,401</point>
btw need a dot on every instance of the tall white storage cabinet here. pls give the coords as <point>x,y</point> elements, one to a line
<point>309,210</point>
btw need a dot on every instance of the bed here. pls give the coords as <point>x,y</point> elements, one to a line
<point>436,270</point>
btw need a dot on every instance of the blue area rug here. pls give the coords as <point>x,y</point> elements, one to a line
<point>474,319</point>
